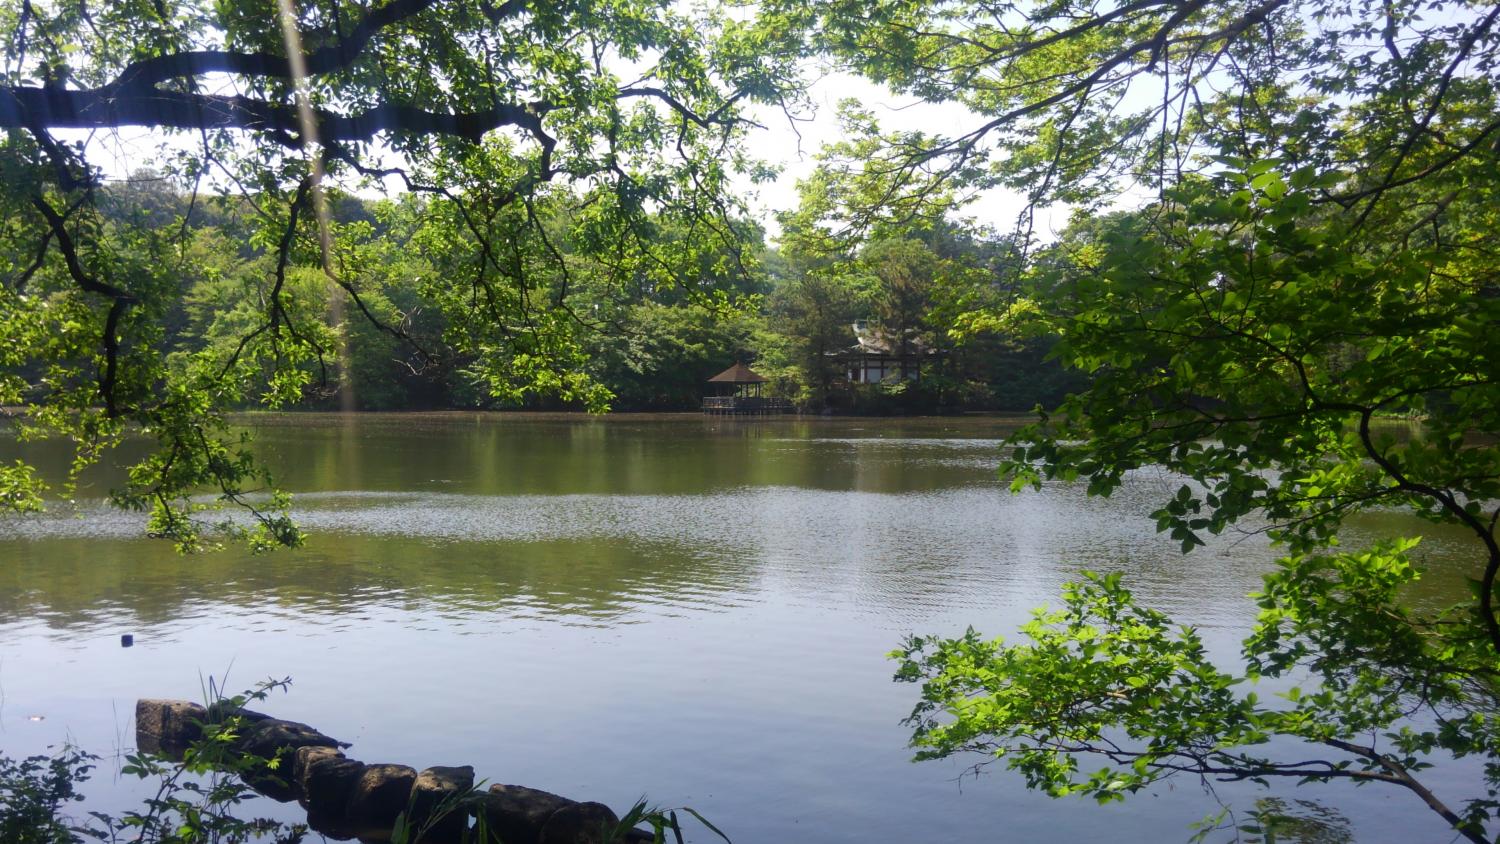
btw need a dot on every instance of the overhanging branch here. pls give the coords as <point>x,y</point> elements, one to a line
<point>24,107</point>
<point>119,299</point>
<point>133,98</point>
<point>146,73</point>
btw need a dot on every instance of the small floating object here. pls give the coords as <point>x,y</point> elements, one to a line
<point>126,640</point>
<point>36,717</point>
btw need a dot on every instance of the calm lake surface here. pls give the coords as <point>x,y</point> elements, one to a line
<point>695,610</point>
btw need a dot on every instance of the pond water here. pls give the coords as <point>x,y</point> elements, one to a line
<point>695,610</point>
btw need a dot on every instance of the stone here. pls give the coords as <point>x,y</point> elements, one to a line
<point>306,756</point>
<point>580,823</point>
<point>327,781</point>
<point>380,795</point>
<point>516,814</point>
<point>167,725</point>
<point>277,742</point>
<point>272,737</point>
<point>222,710</point>
<point>283,780</point>
<point>441,789</point>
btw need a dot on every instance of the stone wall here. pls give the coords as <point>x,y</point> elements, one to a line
<point>346,798</point>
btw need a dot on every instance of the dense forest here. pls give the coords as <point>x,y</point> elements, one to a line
<point>791,310</point>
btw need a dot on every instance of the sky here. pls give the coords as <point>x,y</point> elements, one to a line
<point>795,148</point>
<point>792,147</point>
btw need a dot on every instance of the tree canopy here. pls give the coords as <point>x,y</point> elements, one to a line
<point>563,152</point>
<point>1313,249</point>
<point>1076,102</point>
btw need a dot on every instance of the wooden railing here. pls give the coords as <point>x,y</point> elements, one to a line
<point>745,404</point>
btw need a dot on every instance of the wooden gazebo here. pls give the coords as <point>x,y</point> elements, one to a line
<point>739,390</point>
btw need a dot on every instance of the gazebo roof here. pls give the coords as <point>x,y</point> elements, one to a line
<point>738,374</point>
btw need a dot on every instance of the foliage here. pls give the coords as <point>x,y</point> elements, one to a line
<point>663,354</point>
<point>1108,679</point>
<point>1245,339</point>
<point>551,234</point>
<point>918,284</point>
<point>547,182</point>
<point>1314,251</point>
<point>1270,329</point>
<point>661,822</point>
<point>1076,102</point>
<point>813,313</point>
<point>198,796</point>
<point>196,800</point>
<point>33,793</point>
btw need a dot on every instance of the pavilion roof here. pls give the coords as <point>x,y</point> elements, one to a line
<point>738,374</point>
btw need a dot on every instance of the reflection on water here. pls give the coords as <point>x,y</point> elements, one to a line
<point>1302,821</point>
<point>692,609</point>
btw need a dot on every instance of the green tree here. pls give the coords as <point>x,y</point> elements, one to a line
<point>926,283</point>
<point>905,273</point>
<point>510,118</point>
<point>1316,249</point>
<point>662,356</point>
<point>813,314</point>
<point>1251,349</point>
